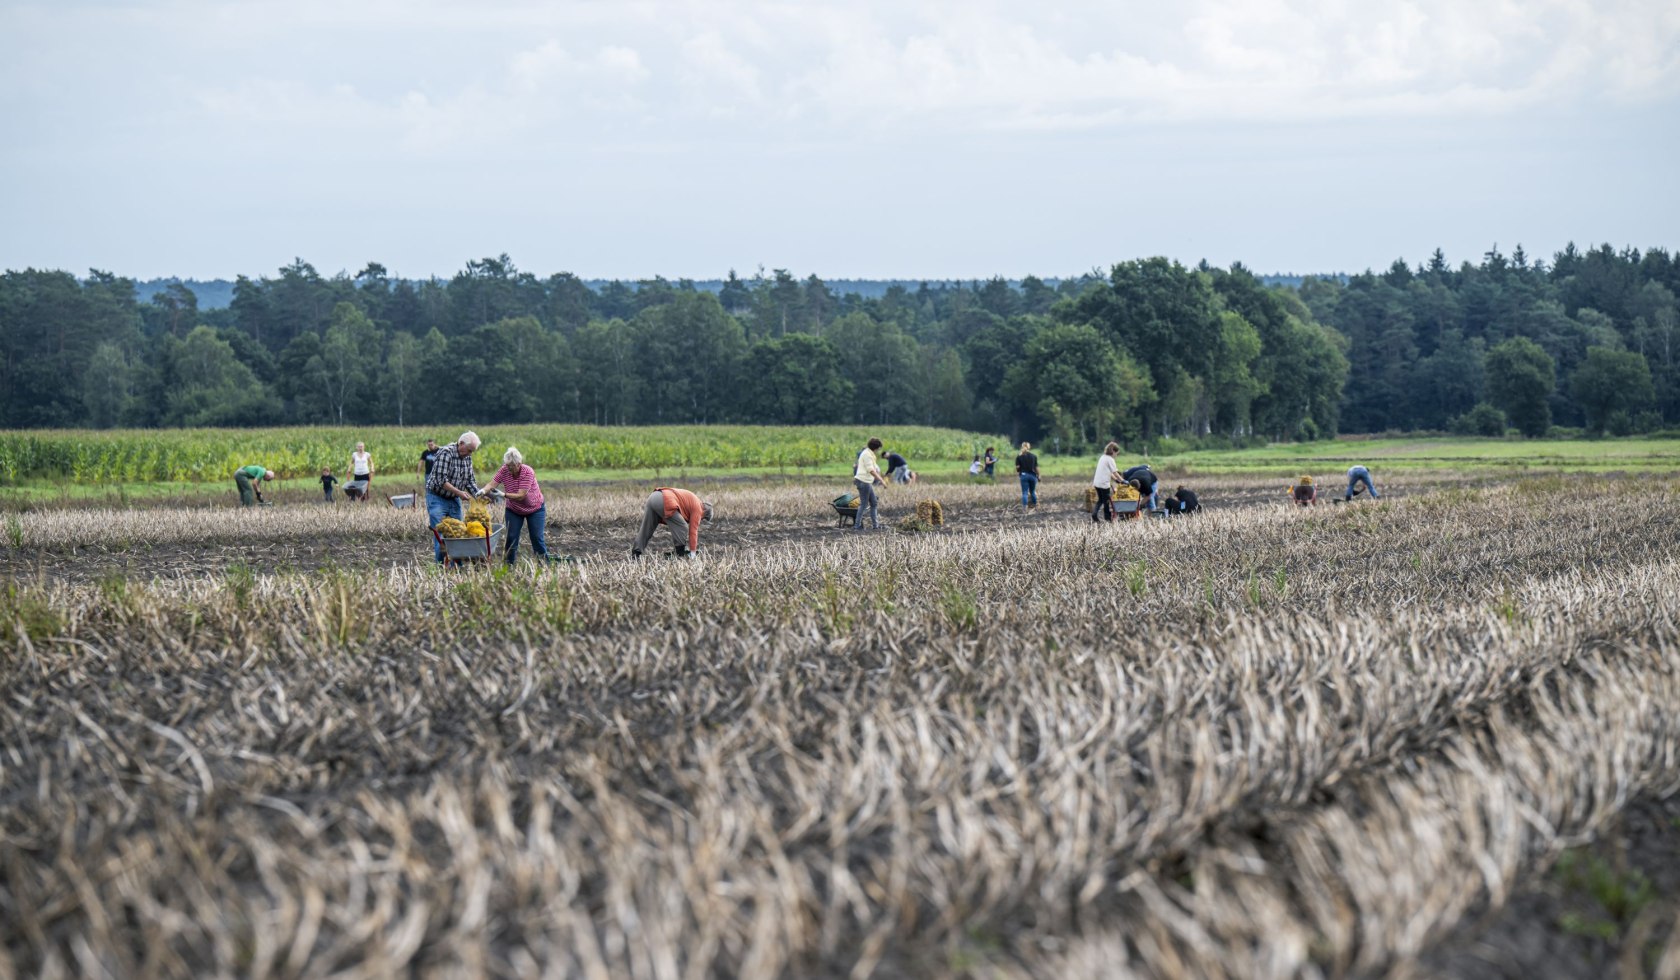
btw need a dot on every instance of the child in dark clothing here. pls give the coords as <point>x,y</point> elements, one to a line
<point>327,481</point>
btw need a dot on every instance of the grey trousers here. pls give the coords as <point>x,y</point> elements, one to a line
<point>868,500</point>
<point>653,515</point>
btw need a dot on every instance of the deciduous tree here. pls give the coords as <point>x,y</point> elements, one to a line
<point>1520,378</point>
<point>1611,382</point>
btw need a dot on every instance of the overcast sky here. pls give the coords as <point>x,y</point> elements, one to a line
<point>861,139</point>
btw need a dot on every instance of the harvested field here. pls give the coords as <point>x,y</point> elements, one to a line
<point>81,542</point>
<point>1263,742</point>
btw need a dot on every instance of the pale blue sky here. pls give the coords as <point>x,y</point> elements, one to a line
<point>870,139</point>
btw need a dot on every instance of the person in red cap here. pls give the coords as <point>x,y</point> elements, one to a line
<point>679,510</point>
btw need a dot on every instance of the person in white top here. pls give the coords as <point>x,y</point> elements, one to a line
<point>1108,472</point>
<point>361,468</point>
<point>866,476</point>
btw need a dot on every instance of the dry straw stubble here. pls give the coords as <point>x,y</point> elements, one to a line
<point>1268,743</point>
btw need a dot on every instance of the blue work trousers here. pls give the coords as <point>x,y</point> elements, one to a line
<point>437,508</point>
<point>537,522</point>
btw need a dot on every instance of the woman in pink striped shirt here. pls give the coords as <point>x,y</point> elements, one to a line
<point>524,504</point>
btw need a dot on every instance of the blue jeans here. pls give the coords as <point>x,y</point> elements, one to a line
<point>437,508</point>
<point>866,501</point>
<point>1358,477</point>
<point>1029,489</point>
<point>538,523</point>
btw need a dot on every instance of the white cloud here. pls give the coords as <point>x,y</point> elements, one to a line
<point>436,69</point>
<point>711,64</point>
<point>613,65</point>
<point>535,87</point>
<point>1251,58</point>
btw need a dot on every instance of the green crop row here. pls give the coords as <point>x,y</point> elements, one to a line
<point>127,456</point>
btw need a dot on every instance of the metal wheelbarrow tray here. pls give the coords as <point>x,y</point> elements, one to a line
<point>846,506</point>
<point>471,549</point>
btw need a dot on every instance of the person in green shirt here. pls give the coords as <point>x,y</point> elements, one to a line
<point>247,478</point>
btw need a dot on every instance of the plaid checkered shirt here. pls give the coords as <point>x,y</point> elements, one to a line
<point>452,468</point>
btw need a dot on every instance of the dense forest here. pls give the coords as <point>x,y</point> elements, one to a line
<point>1150,350</point>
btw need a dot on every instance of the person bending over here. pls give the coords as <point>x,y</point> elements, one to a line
<point>1183,501</point>
<point>898,468</point>
<point>450,482</point>
<point>249,480</point>
<point>1357,475</point>
<point>681,512</point>
<point>1146,481</point>
<point>1304,492</point>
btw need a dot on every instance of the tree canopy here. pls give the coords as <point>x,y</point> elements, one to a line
<point>1149,348</point>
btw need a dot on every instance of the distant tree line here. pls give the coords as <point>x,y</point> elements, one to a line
<point>1590,341</point>
<point>1150,349</point>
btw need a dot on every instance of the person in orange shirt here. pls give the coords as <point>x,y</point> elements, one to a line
<point>679,510</point>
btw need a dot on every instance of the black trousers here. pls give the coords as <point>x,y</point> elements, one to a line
<point>1105,504</point>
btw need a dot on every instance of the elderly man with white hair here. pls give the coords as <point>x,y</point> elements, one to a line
<point>450,482</point>
<point>525,505</point>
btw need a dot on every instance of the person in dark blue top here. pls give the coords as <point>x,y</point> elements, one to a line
<point>898,468</point>
<point>1146,483</point>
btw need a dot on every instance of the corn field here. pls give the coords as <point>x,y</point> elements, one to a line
<point>115,457</point>
<point>1257,742</point>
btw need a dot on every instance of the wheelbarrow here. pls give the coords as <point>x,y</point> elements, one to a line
<point>480,549</point>
<point>846,506</point>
